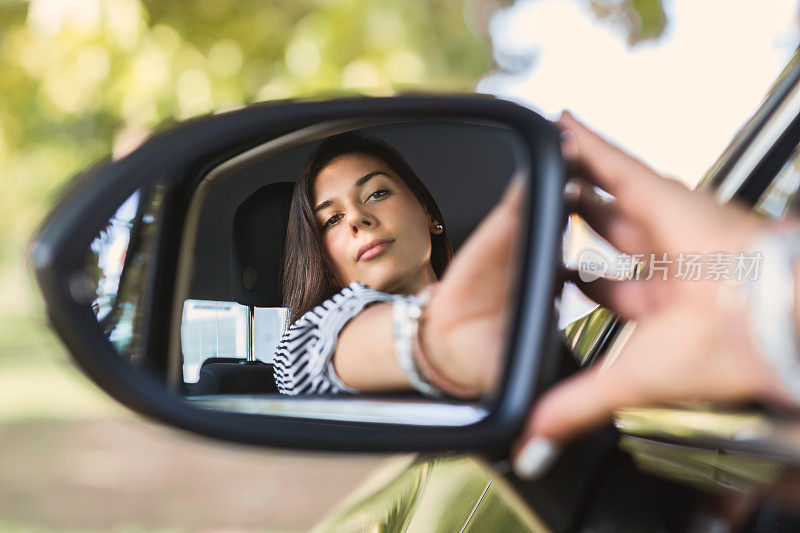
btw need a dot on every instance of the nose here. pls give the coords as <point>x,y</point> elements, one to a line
<point>359,219</point>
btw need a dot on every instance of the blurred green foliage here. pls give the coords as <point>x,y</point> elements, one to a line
<point>640,19</point>
<point>82,79</point>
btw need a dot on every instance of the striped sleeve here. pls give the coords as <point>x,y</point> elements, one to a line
<point>303,360</point>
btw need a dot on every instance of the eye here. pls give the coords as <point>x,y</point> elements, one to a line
<point>332,221</point>
<point>379,194</point>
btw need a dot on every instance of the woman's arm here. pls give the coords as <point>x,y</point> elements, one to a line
<point>364,358</point>
<point>463,329</point>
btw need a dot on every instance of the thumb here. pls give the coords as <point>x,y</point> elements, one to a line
<point>573,407</point>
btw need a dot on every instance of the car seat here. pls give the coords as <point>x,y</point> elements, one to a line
<point>257,244</point>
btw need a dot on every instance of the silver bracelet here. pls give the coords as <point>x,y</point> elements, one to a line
<point>406,312</point>
<point>770,298</point>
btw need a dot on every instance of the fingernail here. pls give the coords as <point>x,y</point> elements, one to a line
<point>572,191</point>
<point>535,458</point>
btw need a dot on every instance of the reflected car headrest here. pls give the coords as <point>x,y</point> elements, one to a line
<point>257,244</point>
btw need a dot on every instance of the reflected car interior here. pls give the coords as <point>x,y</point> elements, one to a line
<point>228,286</point>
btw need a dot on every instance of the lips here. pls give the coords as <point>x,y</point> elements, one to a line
<point>372,249</point>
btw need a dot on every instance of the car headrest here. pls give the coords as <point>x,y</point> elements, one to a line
<point>259,236</point>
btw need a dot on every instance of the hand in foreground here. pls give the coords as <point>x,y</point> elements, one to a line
<point>691,339</point>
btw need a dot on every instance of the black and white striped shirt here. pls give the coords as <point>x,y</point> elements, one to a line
<point>303,361</point>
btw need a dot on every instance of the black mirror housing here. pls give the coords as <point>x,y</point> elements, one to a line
<point>177,159</point>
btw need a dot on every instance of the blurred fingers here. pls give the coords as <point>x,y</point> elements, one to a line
<point>674,355</point>
<point>635,185</point>
<point>574,406</point>
<point>606,219</point>
<point>647,371</point>
<point>587,400</point>
<point>630,299</point>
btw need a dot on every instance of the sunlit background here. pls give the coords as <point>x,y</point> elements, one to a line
<point>674,99</point>
<point>82,80</point>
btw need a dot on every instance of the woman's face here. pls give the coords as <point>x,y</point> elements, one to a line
<point>374,230</point>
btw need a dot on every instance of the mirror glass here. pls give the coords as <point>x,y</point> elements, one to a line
<point>230,317</point>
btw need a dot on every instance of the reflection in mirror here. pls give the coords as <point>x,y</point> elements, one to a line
<point>247,279</point>
<point>119,270</point>
<point>249,282</point>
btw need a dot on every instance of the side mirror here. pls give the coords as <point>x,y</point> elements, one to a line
<point>161,271</point>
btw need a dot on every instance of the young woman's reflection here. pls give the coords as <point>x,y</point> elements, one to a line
<point>366,246</point>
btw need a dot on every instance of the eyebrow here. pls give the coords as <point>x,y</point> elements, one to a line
<point>359,183</point>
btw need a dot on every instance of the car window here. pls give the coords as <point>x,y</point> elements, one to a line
<point>215,329</point>
<point>782,196</point>
<point>781,99</point>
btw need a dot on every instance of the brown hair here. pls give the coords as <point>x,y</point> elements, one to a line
<point>308,280</point>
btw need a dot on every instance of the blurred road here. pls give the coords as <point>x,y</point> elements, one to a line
<point>102,474</point>
<point>71,458</point>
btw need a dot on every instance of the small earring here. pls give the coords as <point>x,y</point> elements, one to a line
<point>438,228</point>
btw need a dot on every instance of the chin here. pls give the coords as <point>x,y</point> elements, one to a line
<point>383,281</point>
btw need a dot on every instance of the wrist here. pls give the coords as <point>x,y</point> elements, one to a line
<point>435,358</point>
<point>431,347</point>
